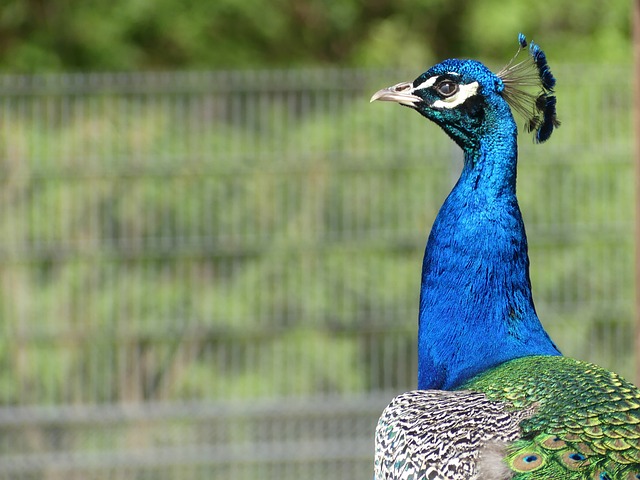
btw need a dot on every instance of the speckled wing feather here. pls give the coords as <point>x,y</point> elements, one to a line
<point>533,418</point>
<point>434,434</point>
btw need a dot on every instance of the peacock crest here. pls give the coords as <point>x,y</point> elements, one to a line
<point>539,109</point>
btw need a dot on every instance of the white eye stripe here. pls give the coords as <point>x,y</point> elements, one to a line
<point>427,83</point>
<point>465,92</point>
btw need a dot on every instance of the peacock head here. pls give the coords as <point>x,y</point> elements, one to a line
<point>466,99</point>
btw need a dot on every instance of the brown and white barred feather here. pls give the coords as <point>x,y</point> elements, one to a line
<point>442,435</point>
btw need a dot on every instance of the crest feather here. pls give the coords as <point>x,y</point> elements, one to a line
<point>538,109</point>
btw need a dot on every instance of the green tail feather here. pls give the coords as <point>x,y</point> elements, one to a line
<point>586,423</point>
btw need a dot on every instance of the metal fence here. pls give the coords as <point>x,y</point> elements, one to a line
<point>215,275</point>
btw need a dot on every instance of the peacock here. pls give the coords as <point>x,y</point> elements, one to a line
<point>496,399</point>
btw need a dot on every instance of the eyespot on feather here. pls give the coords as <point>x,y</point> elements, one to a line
<point>527,461</point>
<point>574,460</point>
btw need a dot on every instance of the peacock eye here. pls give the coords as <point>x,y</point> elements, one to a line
<point>447,88</point>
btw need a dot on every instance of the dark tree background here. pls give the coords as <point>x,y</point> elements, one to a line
<point>73,35</point>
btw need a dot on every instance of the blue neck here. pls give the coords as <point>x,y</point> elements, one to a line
<point>476,307</point>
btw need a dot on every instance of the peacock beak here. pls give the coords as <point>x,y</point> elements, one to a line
<point>400,93</point>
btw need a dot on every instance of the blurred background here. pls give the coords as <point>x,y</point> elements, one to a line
<point>210,242</point>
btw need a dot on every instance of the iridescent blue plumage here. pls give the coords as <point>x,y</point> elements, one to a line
<point>522,40</point>
<point>531,413</point>
<point>476,257</point>
<point>547,79</point>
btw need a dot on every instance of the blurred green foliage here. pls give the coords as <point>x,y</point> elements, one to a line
<point>181,244</point>
<point>72,35</point>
